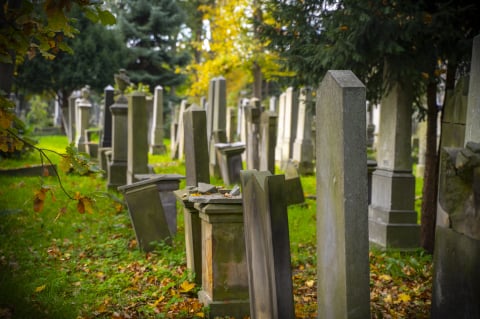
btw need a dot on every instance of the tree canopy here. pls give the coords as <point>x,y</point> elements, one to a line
<point>151,30</point>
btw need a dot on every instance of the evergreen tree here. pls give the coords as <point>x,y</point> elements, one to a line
<point>151,30</point>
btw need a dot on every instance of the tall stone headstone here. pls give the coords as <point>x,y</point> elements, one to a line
<point>180,140</point>
<point>253,112</point>
<point>117,167</point>
<point>290,124</point>
<point>69,116</point>
<point>83,108</point>
<point>196,150</point>
<point>218,132</point>
<point>267,245</point>
<point>472,127</point>
<point>342,215</point>
<point>137,137</point>
<point>303,145</point>
<point>174,131</point>
<point>106,139</point>
<point>280,130</point>
<point>156,138</point>
<point>392,216</point>
<point>268,136</point>
<point>231,127</point>
<point>456,264</point>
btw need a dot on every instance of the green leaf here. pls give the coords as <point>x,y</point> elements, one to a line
<point>106,17</point>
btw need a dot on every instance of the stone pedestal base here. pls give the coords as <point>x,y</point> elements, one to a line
<point>392,220</point>
<point>234,308</point>
<point>117,174</point>
<point>224,265</point>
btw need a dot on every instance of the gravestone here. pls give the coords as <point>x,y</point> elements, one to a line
<point>83,107</point>
<point>174,132</point>
<point>231,126</point>
<point>218,126</point>
<point>166,185</point>
<point>455,114</point>
<point>267,245</point>
<point>106,136</point>
<point>293,185</point>
<point>268,136</point>
<point>156,138</point>
<point>196,147</point>
<point>229,158</point>
<point>224,266</point>
<point>69,116</point>
<point>196,171</point>
<point>303,145</point>
<point>370,125</point>
<point>273,106</point>
<point>252,116</point>
<point>146,214</point>
<point>180,140</point>
<point>280,129</point>
<point>342,215</point>
<point>290,124</point>
<point>392,215</point>
<point>117,165</point>
<point>456,263</point>
<point>137,137</point>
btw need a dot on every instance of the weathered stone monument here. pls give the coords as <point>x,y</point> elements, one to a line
<point>106,134</point>
<point>146,214</point>
<point>456,278</point>
<point>156,138</point>
<point>392,216</point>
<point>289,124</point>
<point>117,166</point>
<point>229,158</point>
<point>83,107</point>
<point>216,129</point>
<point>280,130</point>
<point>224,268</point>
<point>303,146</point>
<point>268,136</point>
<point>267,245</point>
<point>342,215</point>
<point>137,138</point>
<point>196,171</point>
<point>252,116</point>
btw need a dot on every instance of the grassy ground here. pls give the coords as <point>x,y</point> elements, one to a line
<point>59,263</point>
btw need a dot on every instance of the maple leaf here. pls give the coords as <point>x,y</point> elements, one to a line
<point>186,286</point>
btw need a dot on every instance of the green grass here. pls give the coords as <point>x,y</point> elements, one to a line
<point>59,263</point>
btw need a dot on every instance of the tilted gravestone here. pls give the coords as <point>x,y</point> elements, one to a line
<point>267,245</point>
<point>146,214</point>
<point>342,215</point>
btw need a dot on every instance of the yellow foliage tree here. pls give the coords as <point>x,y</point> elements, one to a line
<point>231,50</point>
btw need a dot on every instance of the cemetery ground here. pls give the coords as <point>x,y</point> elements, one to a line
<point>59,263</point>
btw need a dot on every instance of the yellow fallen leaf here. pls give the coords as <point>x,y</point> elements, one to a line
<point>186,286</point>
<point>40,288</point>
<point>385,277</point>
<point>158,301</point>
<point>310,283</point>
<point>404,297</point>
<point>200,314</point>
<point>388,299</point>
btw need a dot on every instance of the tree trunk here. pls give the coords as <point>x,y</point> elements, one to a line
<point>430,182</point>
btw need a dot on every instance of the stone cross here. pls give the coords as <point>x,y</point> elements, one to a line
<point>342,215</point>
